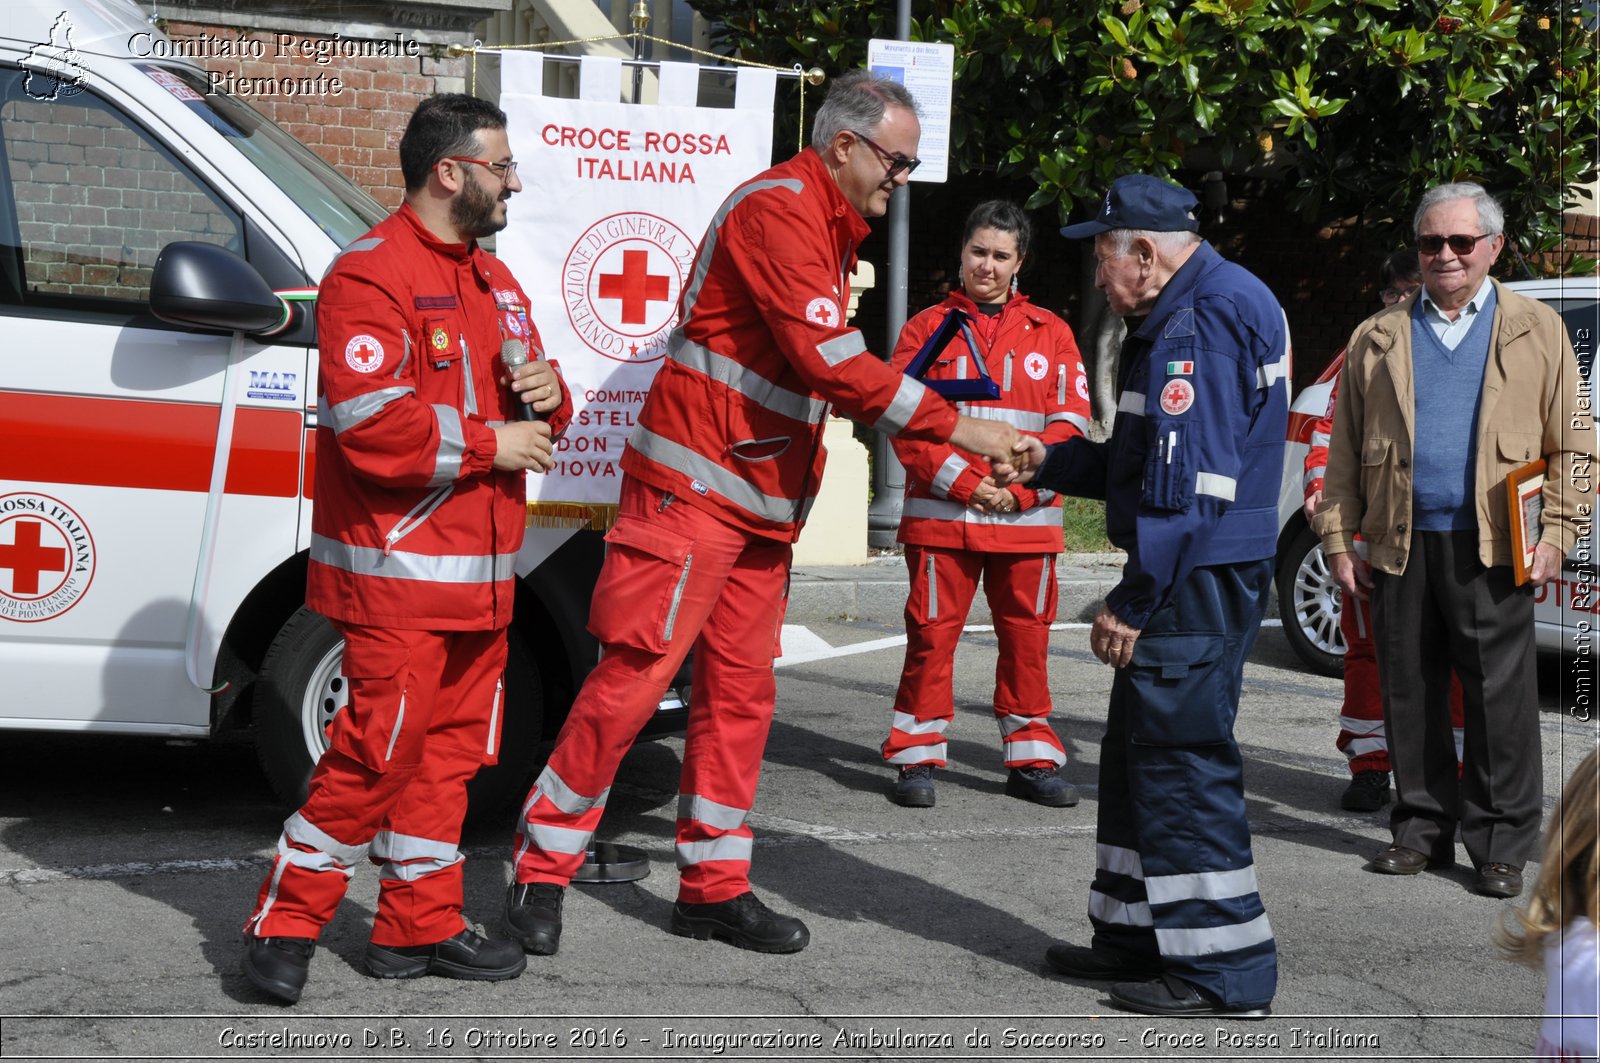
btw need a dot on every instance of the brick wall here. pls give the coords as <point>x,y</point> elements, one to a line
<point>96,202</point>
<point>354,124</point>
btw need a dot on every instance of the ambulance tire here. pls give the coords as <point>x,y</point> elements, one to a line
<point>300,689</point>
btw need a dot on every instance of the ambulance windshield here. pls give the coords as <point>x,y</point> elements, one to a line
<point>338,207</point>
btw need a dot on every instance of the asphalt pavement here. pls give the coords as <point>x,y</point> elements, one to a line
<point>127,867</point>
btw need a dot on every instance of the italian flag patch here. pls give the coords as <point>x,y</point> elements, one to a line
<point>1180,368</point>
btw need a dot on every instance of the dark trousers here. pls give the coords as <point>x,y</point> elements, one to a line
<point>1448,611</point>
<point>1175,880</point>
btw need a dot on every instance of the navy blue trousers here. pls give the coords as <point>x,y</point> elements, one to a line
<point>1175,881</point>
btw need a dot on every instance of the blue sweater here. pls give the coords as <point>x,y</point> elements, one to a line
<point>1448,385</point>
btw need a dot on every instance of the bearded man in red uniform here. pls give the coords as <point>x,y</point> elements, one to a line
<point>718,478</point>
<point>421,506</point>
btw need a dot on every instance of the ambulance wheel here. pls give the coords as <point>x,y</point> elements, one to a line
<point>1308,603</point>
<point>301,689</point>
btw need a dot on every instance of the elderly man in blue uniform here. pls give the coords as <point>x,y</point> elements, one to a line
<point>1190,477</point>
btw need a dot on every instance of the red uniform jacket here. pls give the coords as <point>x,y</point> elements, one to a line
<point>1044,392</point>
<point>1317,455</point>
<point>734,419</point>
<point>413,527</point>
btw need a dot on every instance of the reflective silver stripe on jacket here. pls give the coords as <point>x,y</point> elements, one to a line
<point>400,564</point>
<point>452,446</point>
<point>1076,419</point>
<point>841,349</point>
<point>746,381</point>
<point>343,416</point>
<point>1216,485</point>
<point>940,509</point>
<point>1131,402</point>
<point>704,810</point>
<point>947,475</point>
<point>702,264</point>
<point>1022,420</point>
<point>366,243</point>
<point>728,847</point>
<point>1270,373</point>
<point>729,485</point>
<point>906,400</point>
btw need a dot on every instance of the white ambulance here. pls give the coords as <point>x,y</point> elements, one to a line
<point>155,477</point>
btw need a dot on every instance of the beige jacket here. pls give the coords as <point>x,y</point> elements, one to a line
<point>1533,404</point>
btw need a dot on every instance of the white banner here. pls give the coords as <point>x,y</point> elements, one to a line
<point>615,201</point>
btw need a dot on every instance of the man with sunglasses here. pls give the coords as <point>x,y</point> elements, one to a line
<point>422,457</point>
<point>718,477</point>
<point>1441,396</point>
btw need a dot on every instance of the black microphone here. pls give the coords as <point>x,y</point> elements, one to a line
<point>514,353</point>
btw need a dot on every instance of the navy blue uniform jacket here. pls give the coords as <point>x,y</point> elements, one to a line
<point>1191,472</point>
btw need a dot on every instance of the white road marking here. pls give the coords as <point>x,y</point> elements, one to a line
<point>801,645</point>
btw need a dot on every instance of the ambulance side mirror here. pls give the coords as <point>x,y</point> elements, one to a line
<point>208,286</point>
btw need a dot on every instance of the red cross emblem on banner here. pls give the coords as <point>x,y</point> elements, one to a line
<point>636,286</point>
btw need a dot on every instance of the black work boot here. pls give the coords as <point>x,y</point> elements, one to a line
<point>1368,791</point>
<point>742,921</point>
<point>278,966</point>
<point>914,787</point>
<point>1042,786</point>
<point>533,916</point>
<point>467,955</point>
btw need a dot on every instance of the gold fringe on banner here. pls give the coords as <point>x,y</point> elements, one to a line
<point>596,516</point>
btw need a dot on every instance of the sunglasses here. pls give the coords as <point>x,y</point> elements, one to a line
<point>502,170</point>
<point>1460,243</point>
<point>896,163</point>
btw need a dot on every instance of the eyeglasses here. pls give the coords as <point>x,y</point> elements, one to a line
<point>1390,296</point>
<point>1460,243</point>
<point>502,170</point>
<point>897,163</point>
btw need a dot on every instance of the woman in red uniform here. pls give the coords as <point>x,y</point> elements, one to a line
<point>957,526</point>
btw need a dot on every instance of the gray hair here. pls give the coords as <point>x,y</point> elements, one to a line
<point>856,102</point>
<point>1490,217</point>
<point>1165,242</point>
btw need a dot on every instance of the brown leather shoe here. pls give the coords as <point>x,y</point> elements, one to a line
<point>1498,880</point>
<point>1398,860</point>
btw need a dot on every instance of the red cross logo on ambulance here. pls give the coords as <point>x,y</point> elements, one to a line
<point>1177,396</point>
<point>823,311</point>
<point>1035,365</point>
<point>364,353</point>
<point>47,557</point>
<point>620,284</point>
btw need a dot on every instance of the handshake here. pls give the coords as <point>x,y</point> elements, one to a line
<point>1013,457</point>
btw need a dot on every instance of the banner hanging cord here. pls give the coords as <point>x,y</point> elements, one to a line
<point>813,77</point>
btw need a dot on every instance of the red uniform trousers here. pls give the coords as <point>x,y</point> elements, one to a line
<point>1361,735</point>
<point>1021,589</point>
<point>674,576</point>
<point>423,716</point>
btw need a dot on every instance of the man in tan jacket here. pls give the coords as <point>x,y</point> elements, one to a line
<point>1442,395</point>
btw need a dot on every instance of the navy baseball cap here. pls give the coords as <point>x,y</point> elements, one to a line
<point>1139,201</point>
